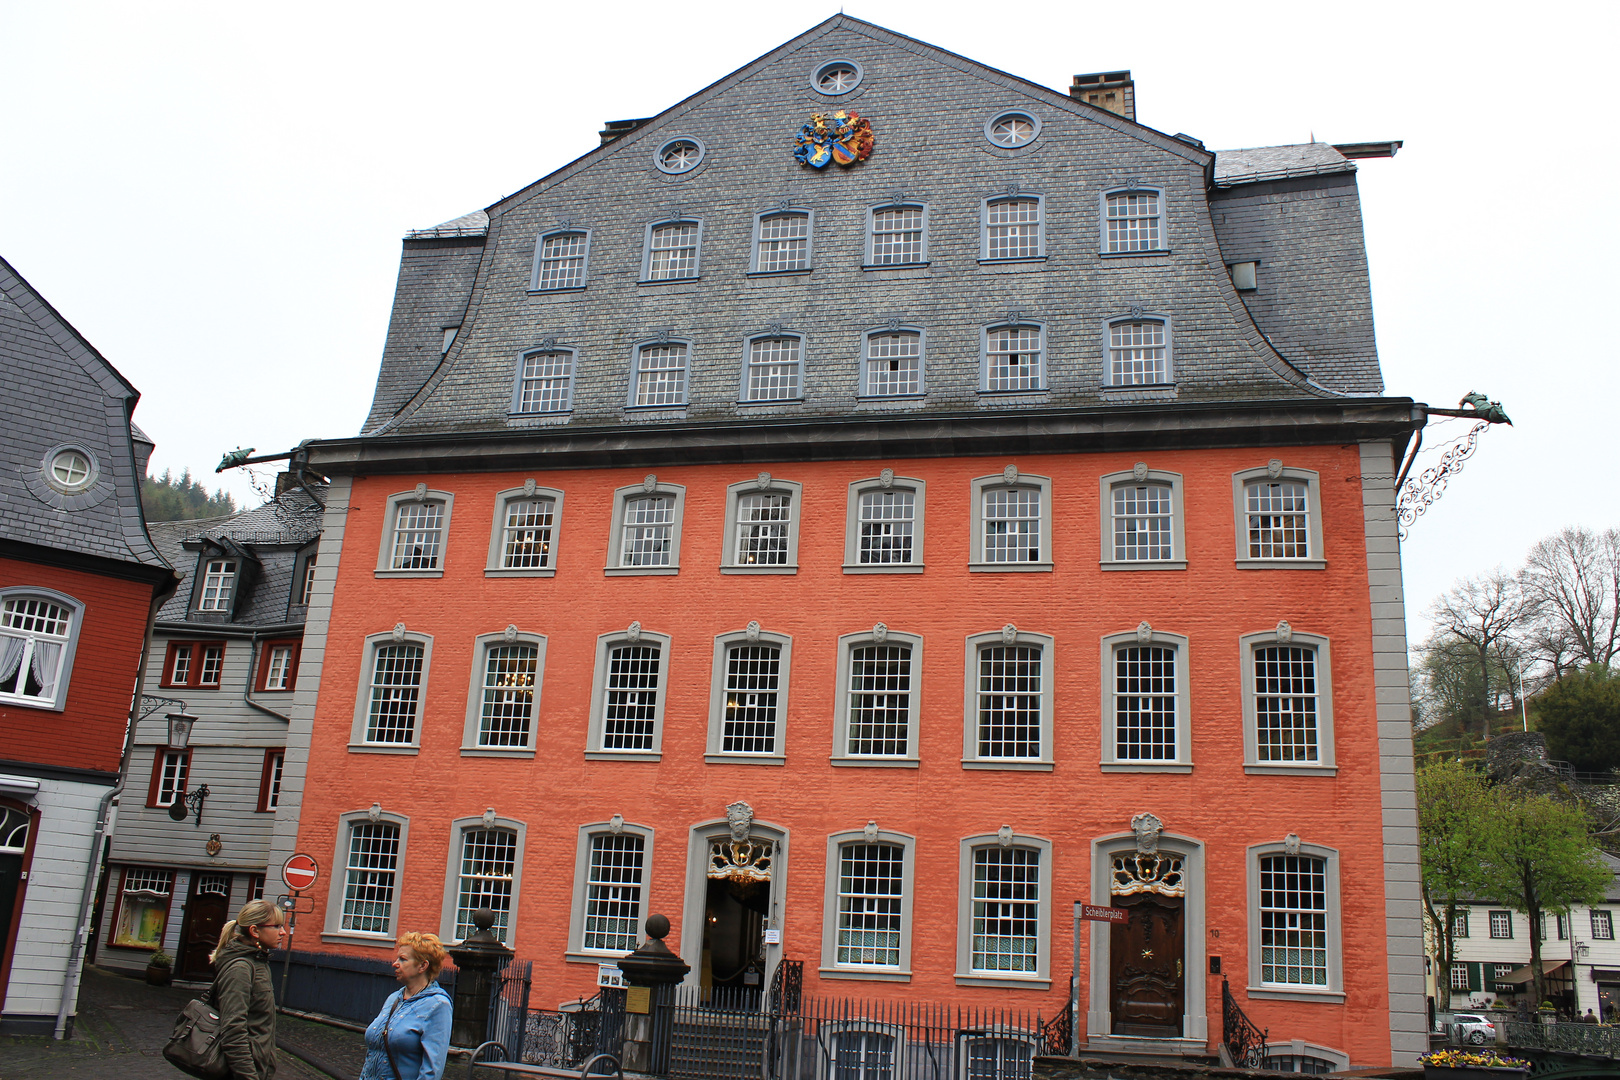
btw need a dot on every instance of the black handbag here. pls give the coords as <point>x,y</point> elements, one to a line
<point>195,1047</point>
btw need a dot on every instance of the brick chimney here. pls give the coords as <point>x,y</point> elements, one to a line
<point>617,129</point>
<point>1111,90</point>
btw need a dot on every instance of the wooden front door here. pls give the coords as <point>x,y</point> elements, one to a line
<point>1146,967</point>
<point>206,913</point>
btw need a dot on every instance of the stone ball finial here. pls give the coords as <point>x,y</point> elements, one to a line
<point>658,926</point>
<point>483,918</point>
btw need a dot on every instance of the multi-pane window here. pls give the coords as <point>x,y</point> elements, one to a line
<point>753,682</point>
<point>1293,921</point>
<point>213,662</point>
<point>34,633</point>
<point>1136,354</point>
<point>630,705</point>
<point>1501,924</point>
<point>278,670</point>
<point>763,521</point>
<point>1012,358</point>
<point>613,892</point>
<point>1459,925</point>
<point>773,369</point>
<point>369,880</point>
<point>1133,221</point>
<point>870,897</point>
<point>784,243</point>
<point>274,763</point>
<point>1012,228</point>
<point>1006,909</point>
<point>1012,525</point>
<point>1009,701</point>
<point>897,235</point>
<point>672,251</point>
<point>1562,924</point>
<point>1285,704</point>
<point>1145,706</point>
<point>888,517</point>
<point>893,364</point>
<point>219,581</point>
<point>526,534</point>
<point>562,262</point>
<point>396,683</point>
<point>1012,129</point>
<point>545,381</point>
<point>418,532</point>
<point>661,375</point>
<point>1500,973</point>
<point>1143,523</point>
<point>880,701</point>
<point>998,1059</point>
<point>180,664</point>
<point>1278,514</point>
<point>1602,926</point>
<point>171,785</point>
<point>488,862</point>
<point>143,908</point>
<point>1459,976</point>
<point>838,77</point>
<point>307,589</point>
<point>649,524</point>
<point>508,704</point>
<point>863,1054</point>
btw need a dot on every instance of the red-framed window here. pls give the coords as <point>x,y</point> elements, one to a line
<point>278,666</point>
<point>193,663</point>
<point>170,768</point>
<point>141,909</point>
<point>255,889</point>
<point>270,780</point>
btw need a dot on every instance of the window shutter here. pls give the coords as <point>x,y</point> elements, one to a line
<point>1476,977</point>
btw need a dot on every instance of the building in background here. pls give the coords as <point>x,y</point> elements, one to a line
<point>861,552</point>
<point>79,584</point>
<point>225,653</point>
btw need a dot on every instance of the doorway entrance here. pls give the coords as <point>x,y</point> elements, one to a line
<point>734,917</point>
<point>207,909</point>
<point>14,836</point>
<point>1147,975</point>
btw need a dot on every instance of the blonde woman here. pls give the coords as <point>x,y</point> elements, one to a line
<point>410,1038</point>
<point>242,991</point>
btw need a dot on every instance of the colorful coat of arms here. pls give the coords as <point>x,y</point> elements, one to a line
<point>844,137</point>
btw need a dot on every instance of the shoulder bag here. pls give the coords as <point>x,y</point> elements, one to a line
<point>195,1047</point>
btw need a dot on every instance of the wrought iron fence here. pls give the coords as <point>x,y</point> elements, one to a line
<point>1245,1042</point>
<point>568,1037</point>
<point>347,987</point>
<point>509,1007</point>
<point>1591,1040</point>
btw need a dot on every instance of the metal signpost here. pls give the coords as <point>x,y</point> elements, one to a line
<point>1086,913</point>
<point>299,872</point>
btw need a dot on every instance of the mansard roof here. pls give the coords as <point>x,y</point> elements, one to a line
<point>60,392</point>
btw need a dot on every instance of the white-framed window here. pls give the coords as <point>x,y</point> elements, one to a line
<point>560,260</point>
<point>1146,707</point>
<point>1012,522</point>
<point>658,380</point>
<point>1013,359</point>
<point>72,469</point>
<point>1279,517</point>
<point>415,525</point>
<point>782,241</point>
<point>678,156</point>
<point>218,585</point>
<point>645,533</point>
<point>1011,130</point>
<point>748,698</point>
<point>545,382</point>
<point>213,663</point>
<point>1294,920</point>
<point>1602,925</point>
<point>1012,228</point>
<point>773,369</point>
<point>39,632</point>
<point>169,781</point>
<point>893,364</point>
<point>1004,919</point>
<point>762,526</point>
<point>1459,925</point>
<point>393,684</point>
<point>1008,1055</point>
<point>866,930</point>
<point>612,875</point>
<point>371,854</point>
<point>1299,1056</point>
<point>836,77</point>
<point>278,672</point>
<point>275,763</point>
<point>503,699</point>
<point>143,908</point>
<point>1143,524</point>
<point>1498,974</point>
<point>1132,221</point>
<point>1288,704</point>
<point>879,689</point>
<point>1008,691</point>
<point>306,579</point>
<point>672,251</point>
<point>897,235</point>
<point>627,699</point>
<point>489,861</point>
<point>523,535</point>
<point>883,531</point>
<point>1459,975</point>
<point>180,664</point>
<point>1138,351</point>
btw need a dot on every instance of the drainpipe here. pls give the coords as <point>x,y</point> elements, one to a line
<point>70,978</point>
<point>247,690</point>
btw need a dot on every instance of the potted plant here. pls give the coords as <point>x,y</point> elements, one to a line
<point>159,969</point>
<point>1473,1065</point>
<point>1547,1013</point>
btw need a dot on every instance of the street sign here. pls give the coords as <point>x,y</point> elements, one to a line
<point>303,905</point>
<point>1104,914</point>
<point>300,872</point>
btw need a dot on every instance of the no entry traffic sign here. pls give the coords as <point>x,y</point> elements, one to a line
<point>300,872</point>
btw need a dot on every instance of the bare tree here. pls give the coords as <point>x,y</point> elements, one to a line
<point>1481,612</point>
<point>1573,579</point>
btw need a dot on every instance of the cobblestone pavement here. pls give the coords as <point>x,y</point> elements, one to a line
<point>122,1025</point>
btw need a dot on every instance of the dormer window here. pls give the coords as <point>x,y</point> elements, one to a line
<point>219,584</point>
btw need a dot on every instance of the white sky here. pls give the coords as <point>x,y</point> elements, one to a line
<point>214,194</point>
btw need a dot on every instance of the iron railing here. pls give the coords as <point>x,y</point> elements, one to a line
<point>1245,1042</point>
<point>787,986</point>
<point>568,1037</point>
<point>1591,1040</point>
<point>509,1007</point>
<point>346,987</point>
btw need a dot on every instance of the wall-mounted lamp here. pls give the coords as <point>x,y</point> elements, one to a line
<point>180,724</point>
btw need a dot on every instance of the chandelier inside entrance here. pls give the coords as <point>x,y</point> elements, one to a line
<point>741,860</point>
<point>1148,872</point>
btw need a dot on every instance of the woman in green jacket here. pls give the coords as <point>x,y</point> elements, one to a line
<point>242,990</point>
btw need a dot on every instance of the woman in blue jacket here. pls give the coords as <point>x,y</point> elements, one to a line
<point>411,1036</point>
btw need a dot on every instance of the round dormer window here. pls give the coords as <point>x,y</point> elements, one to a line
<point>1012,130</point>
<point>71,469</point>
<point>679,156</point>
<point>836,77</point>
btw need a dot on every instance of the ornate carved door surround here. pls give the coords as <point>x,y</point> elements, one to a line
<point>745,857</point>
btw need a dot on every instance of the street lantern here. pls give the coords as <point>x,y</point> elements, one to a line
<point>180,728</point>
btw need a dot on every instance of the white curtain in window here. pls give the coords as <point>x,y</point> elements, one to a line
<point>46,653</point>
<point>11,654</point>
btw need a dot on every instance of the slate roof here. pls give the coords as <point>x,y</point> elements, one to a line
<point>60,390</point>
<point>473,223</point>
<point>270,536</point>
<point>1260,163</point>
